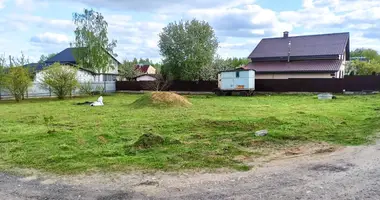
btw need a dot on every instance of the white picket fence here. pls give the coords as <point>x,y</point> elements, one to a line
<point>36,90</point>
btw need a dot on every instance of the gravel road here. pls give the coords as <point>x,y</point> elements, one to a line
<point>349,173</point>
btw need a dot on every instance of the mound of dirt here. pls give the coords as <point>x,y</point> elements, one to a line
<point>161,99</point>
<point>148,140</point>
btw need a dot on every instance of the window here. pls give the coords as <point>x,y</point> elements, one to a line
<point>107,77</point>
<point>237,74</point>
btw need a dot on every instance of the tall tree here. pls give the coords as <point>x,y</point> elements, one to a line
<point>44,58</point>
<point>220,64</point>
<point>238,62</point>
<point>364,67</point>
<point>187,47</point>
<point>18,61</point>
<point>357,67</point>
<point>91,39</point>
<point>127,70</point>
<point>3,62</point>
<point>370,54</point>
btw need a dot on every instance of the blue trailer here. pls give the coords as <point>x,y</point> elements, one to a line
<point>239,81</point>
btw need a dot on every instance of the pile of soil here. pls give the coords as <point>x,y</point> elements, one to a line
<point>148,140</point>
<point>156,99</point>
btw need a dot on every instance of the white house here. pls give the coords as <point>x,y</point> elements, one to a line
<point>146,69</point>
<point>66,57</point>
<point>83,76</point>
<point>146,77</point>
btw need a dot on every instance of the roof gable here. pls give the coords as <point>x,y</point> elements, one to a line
<point>302,46</point>
<point>36,66</point>
<point>67,57</point>
<point>142,68</point>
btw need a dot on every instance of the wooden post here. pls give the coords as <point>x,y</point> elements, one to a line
<point>105,87</point>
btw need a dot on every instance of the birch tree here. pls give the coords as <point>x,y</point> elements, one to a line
<point>93,48</point>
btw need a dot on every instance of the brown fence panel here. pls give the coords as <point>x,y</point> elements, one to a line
<point>195,86</point>
<point>360,83</point>
<point>349,83</point>
<point>135,85</point>
<point>299,85</point>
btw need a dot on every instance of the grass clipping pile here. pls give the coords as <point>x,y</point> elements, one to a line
<point>158,99</point>
<point>148,141</point>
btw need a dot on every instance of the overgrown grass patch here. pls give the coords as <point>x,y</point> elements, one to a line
<point>211,134</point>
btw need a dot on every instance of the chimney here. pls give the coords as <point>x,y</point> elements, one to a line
<point>286,34</point>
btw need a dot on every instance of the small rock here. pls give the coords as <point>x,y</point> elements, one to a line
<point>261,133</point>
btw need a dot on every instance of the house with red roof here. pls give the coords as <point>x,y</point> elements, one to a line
<point>307,56</point>
<point>145,69</point>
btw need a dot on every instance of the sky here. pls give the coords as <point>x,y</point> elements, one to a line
<point>37,27</point>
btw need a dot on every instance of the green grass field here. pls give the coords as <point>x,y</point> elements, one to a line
<point>209,134</point>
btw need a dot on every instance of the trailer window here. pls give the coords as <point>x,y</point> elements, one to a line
<point>237,74</point>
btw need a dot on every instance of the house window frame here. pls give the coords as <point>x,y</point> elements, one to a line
<point>107,77</point>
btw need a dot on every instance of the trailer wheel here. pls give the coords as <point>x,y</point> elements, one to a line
<point>243,93</point>
<point>218,93</point>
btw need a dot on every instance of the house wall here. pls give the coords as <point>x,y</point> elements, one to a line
<point>145,78</point>
<point>293,75</point>
<point>115,69</point>
<point>82,76</point>
<point>151,70</point>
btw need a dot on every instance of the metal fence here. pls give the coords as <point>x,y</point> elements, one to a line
<point>36,90</point>
<point>349,83</point>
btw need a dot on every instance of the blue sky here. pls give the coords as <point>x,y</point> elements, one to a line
<point>38,27</point>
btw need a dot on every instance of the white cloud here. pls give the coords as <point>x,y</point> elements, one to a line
<point>358,40</point>
<point>239,24</point>
<point>30,5</point>
<point>308,4</point>
<point>23,22</point>
<point>2,4</point>
<point>50,38</point>
<point>162,6</point>
<point>242,20</point>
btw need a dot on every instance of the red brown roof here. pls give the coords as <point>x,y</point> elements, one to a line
<point>296,66</point>
<point>142,68</point>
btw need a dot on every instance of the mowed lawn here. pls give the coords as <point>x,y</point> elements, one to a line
<point>211,133</point>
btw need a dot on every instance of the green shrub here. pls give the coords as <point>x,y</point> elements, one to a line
<point>86,89</point>
<point>16,81</point>
<point>60,79</point>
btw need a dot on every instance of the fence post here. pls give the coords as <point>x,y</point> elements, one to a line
<point>0,93</point>
<point>49,91</point>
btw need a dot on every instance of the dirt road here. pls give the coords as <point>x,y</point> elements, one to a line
<point>349,173</point>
